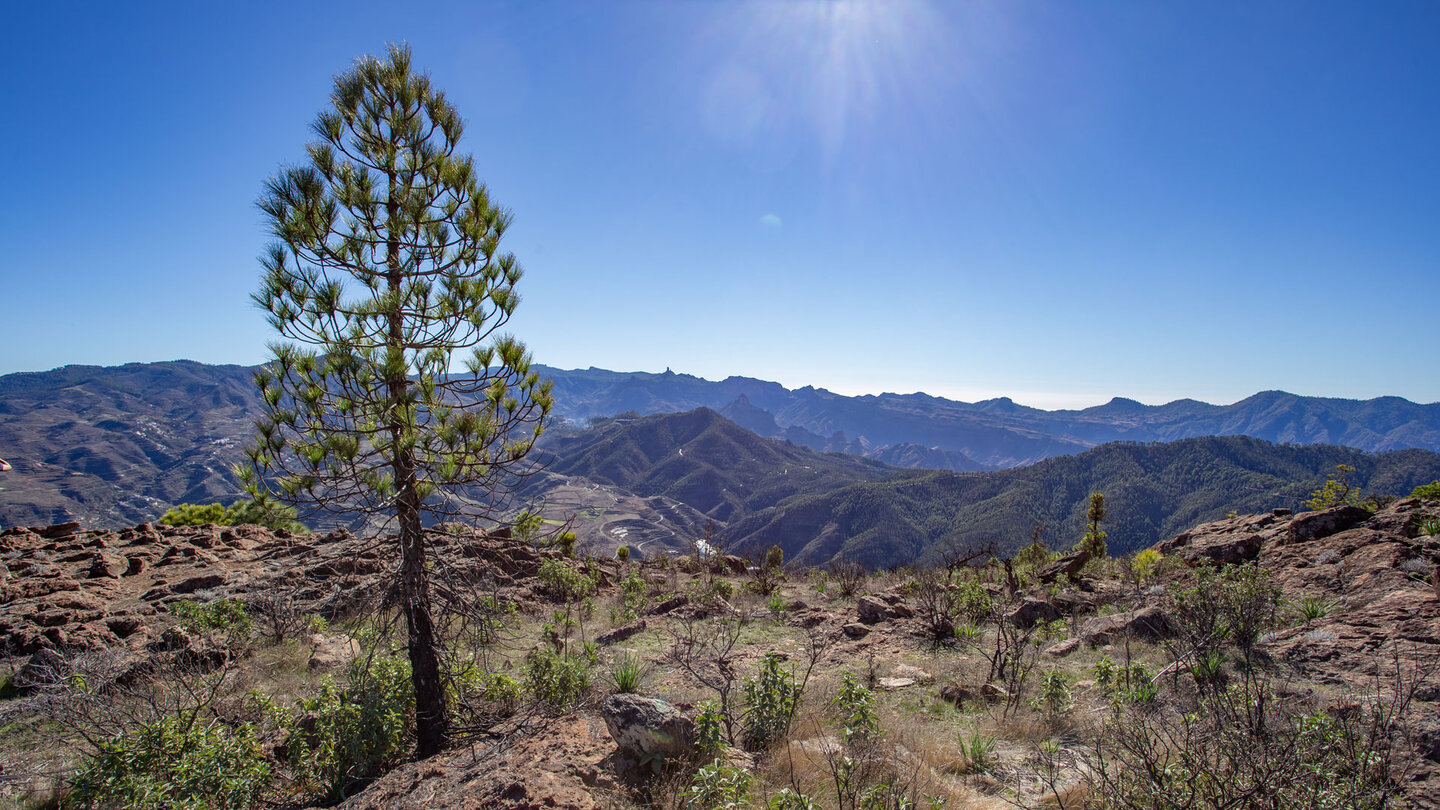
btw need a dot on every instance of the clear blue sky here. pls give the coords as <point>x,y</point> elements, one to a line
<point>1059,202</point>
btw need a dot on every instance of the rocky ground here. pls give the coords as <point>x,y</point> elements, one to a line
<point>67,592</point>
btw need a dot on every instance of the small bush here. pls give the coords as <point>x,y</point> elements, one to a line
<point>626,673</point>
<point>634,599</point>
<point>967,633</point>
<point>226,616</point>
<point>771,699</point>
<point>859,718</point>
<point>777,606</point>
<point>1312,608</point>
<point>173,764</point>
<point>565,581</point>
<point>978,750</point>
<point>709,729</point>
<point>557,679</point>
<point>343,738</point>
<point>1430,492</point>
<point>849,577</point>
<point>1336,491</point>
<point>717,786</point>
<point>1146,564</point>
<point>1054,699</point>
<point>269,514</point>
<point>623,554</point>
<point>1209,668</point>
<point>973,603</point>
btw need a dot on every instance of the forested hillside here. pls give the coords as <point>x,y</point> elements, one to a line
<point>1152,491</point>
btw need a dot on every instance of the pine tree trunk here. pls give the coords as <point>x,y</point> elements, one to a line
<point>432,721</point>
<point>431,717</point>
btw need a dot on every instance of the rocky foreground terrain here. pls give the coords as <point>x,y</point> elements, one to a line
<point>70,596</point>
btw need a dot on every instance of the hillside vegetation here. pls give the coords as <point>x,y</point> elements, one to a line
<point>1154,491</point>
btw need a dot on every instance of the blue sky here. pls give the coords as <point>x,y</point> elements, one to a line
<point>1057,202</point>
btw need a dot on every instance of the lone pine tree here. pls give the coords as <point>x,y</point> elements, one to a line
<point>386,264</point>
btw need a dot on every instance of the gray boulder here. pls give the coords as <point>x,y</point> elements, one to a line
<point>648,730</point>
<point>1033,611</point>
<point>1146,624</point>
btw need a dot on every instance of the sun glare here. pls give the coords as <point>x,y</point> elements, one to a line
<point>832,69</point>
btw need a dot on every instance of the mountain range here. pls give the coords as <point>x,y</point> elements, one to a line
<point>819,473</point>
<point>995,433</point>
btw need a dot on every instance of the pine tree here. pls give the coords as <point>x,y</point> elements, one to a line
<point>1094,539</point>
<point>386,263</point>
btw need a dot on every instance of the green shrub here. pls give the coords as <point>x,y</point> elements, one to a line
<point>634,599</point>
<point>194,514</point>
<point>1238,604</point>
<point>557,679</point>
<point>717,786</point>
<point>1336,491</point>
<point>972,602</point>
<point>858,717</point>
<point>565,581</point>
<point>771,699</point>
<point>1054,699</point>
<point>623,554</point>
<point>1312,608</point>
<point>709,590</point>
<point>270,514</point>
<point>225,616</point>
<point>777,606</point>
<point>1245,747</point>
<point>626,673</point>
<point>978,750</point>
<point>342,738</point>
<point>1033,557</point>
<point>709,729</point>
<point>1209,668</point>
<point>1430,491</point>
<point>1146,564</point>
<point>173,764</point>
<point>774,558</point>
<point>1104,672</point>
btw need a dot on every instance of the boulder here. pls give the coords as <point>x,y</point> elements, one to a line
<point>913,673</point>
<point>619,634</point>
<point>872,610</point>
<point>856,630</point>
<point>1145,624</point>
<point>45,668</point>
<point>1068,566</point>
<point>198,583</point>
<point>646,729</point>
<point>107,565</point>
<point>1224,547</point>
<point>330,653</point>
<point>959,694</point>
<point>1033,611</point>
<point>670,604</point>
<point>1063,648</point>
<point>1315,525</point>
<point>57,531</point>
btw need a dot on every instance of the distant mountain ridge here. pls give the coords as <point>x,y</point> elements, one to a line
<point>996,433</point>
<point>114,446</point>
